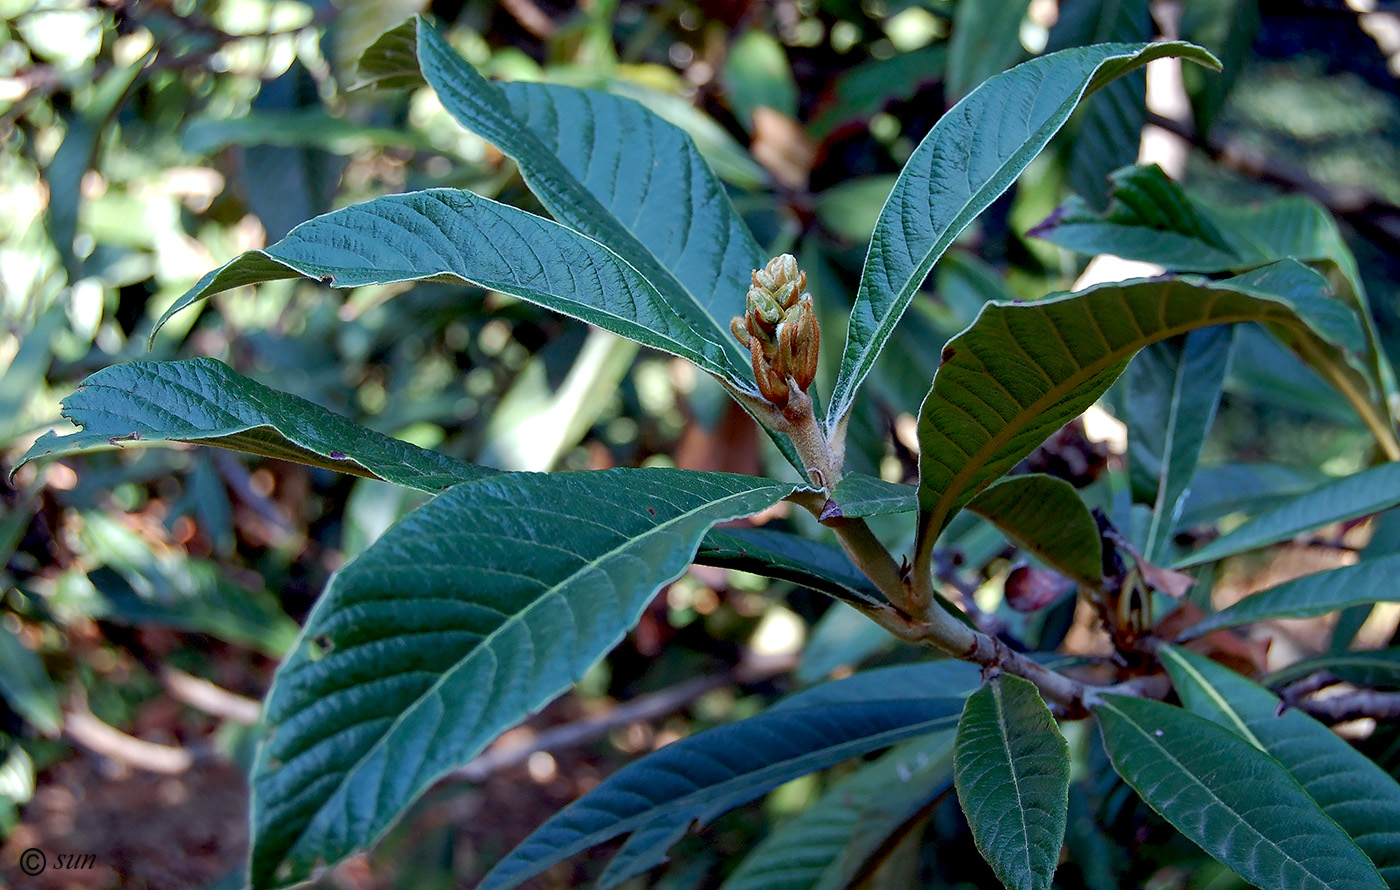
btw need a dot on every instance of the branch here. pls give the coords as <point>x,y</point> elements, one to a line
<point>1353,706</point>
<point>209,698</point>
<point>86,731</point>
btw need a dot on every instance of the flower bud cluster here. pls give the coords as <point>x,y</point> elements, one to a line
<point>780,329</point>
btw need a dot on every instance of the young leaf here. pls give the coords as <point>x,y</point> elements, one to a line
<point>1173,390</point>
<point>609,168</point>
<point>1023,370</point>
<point>1233,800</point>
<point>1011,766</point>
<point>969,158</point>
<point>1369,581</point>
<point>830,844</point>
<point>700,777</point>
<point>1359,795</point>
<point>472,612</point>
<point>205,402</point>
<point>449,234</point>
<point>1360,494</point>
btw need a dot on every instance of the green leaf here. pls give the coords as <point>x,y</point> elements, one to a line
<point>1376,668</point>
<point>454,235</point>
<point>1369,581</point>
<point>832,842</point>
<point>1012,772</point>
<point>1228,28</point>
<point>1109,130</point>
<point>303,128</point>
<point>986,40</point>
<point>472,612</point>
<point>23,378</point>
<point>79,152</point>
<point>1359,795</point>
<point>1223,489</point>
<point>1360,494</point>
<point>757,74</point>
<point>851,209</point>
<point>391,61</point>
<point>969,158</point>
<point>787,557</point>
<point>841,638</point>
<point>1173,391</point>
<point>1153,219</point>
<point>206,402</point>
<point>861,92</point>
<point>139,587</point>
<point>1045,517</point>
<point>583,154</point>
<point>1039,513</point>
<point>705,775</point>
<point>1149,218</point>
<point>25,685</point>
<point>1025,369</point>
<point>949,676</point>
<point>859,495</point>
<point>1233,800</point>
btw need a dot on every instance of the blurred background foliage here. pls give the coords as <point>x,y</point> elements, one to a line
<point>147,593</point>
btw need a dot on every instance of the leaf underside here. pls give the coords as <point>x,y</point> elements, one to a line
<point>1361,494</point>
<point>472,612</point>
<point>700,777</point>
<point>970,157</point>
<point>206,402</point>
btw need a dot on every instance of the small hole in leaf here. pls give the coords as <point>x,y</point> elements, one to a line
<point>319,647</point>
<point>651,511</point>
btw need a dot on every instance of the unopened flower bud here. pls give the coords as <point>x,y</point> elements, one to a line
<point>771,383</point>
<point>799,342</point>
<point>780,329</point>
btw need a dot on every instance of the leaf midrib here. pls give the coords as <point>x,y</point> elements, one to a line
<point>1241,727</point>
<point>1004,731</point>
<point>979,458</point>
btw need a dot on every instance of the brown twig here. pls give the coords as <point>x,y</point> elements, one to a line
<point>530,17</point>
<point>209,698</point>
<point>86,731</point>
